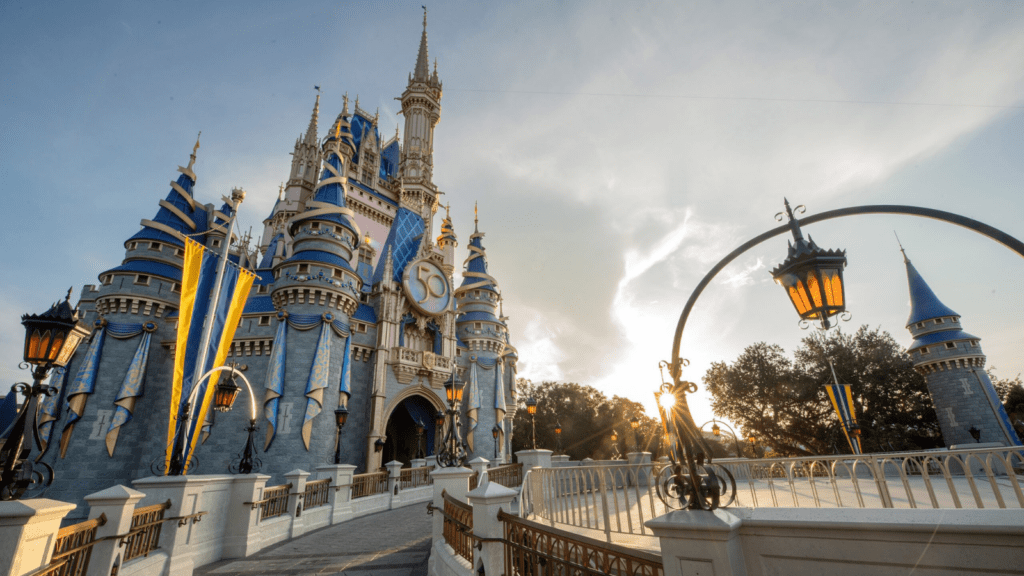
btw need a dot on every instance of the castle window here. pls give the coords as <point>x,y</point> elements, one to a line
<point>920,325</point>
<point>264,321</point>
<point>477,325</point>
<point>179,253</point>
<point>262,289</point>
<point>974,343</point>
<point>360,327</point>
<point>176,288</point>
<point>216,243</point>
<point>924,351</point>
<point>107,279</point>
<point>364,298</point>
<point>154,246</point>
<point>938,320</point>
<point>131,245</point>
<point>950,345</point>
<point>335,273</point>
<point>476,293</point>
<point>142,279</point>
<point>314,226</point>
<point>303,268</point>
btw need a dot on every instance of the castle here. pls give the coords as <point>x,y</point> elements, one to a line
<point>349,280</point>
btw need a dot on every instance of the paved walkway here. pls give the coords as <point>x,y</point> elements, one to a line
<point>393,543</point>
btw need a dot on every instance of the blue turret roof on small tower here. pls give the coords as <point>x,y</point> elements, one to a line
<point>924,305</point>
<point>330,192</point>
<point>179,213</point>
<point>475,276</point>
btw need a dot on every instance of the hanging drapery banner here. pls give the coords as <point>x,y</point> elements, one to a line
<point>83,385</point>
<point>842,400</point>
<point>131,389</point>
<point>317,379</point>
<point>472,404</point>
<point>199,276</point>
<point>499,404</point>
<point>275,379</point>
<point>345,386</point>
<point>49,406</point>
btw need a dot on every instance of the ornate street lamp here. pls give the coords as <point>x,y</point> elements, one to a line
<point>812,277</point>
<point>752,441</point>
<point>531,409</point>
<point>378,446</point>
<point>51,338</point>
<point>453,451</point>
<point>634,423</point>
<point>495,432</point>
<point>419,438</point>
<point>340,417</point>
<point>615,446</point>
<point>716,430</point>
<point>558,437</point>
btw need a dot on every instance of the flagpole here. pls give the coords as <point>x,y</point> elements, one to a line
<point>237,196</point>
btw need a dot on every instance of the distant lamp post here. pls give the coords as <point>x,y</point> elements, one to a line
<point>495,432</point>
<point>558,437</point>
<point>752,441</point>
<point>453,452</point>
<point>615,446</point>
<point>420,428</point>
<point>340,417</point>
<point>634,423</point>
<point>716,430</point>
<point>51,338</point>
<point>531,409</point>
<point>378,446</point>
<point>812,277</point>
<point>976,434</point>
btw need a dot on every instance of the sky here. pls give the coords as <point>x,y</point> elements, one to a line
<point>617,150</point>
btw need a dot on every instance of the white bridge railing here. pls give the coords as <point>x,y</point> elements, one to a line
<point>620,498</point>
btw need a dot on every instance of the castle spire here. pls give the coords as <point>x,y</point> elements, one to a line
<point>924,304</point>
<point>311,130</point>
<point>422,73</point>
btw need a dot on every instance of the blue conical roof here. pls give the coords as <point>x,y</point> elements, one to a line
<point>332,194</point>
<point>168,218</point>
<point>477,263</point>
<point>924,305</point>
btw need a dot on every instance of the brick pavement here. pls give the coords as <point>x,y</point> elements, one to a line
<point>392,543</point>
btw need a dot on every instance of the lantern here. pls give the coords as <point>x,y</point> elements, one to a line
<point>716,429</point>
<point>615,436</point>
<point>225,394</point>
<point>340,416</point>
<point>52,337</point>
<point>558,428</point>
<point>531,406</point>
<point>634,422</point>
<point>378,446</point>
<point>495,431</point>
<point>420,428</point>
<point>812,277</point>
<point>453,390</point>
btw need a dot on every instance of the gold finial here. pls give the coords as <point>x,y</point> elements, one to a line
<point>344,105</point>
<point>905,259</point>
<point>476,218</point>
<point>376,116</point>
<point>280,192</point>
<point>447,211</point>
<point>357,102</point>
<point>424,17</point>
<point>192,158</point>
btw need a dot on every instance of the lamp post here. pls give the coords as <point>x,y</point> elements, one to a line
<point>495,432</point>
<point>51,338</point>
<point>531,409</point>
<point>634,423</point>
<point>223,399</point>
<point>752,441</point>
<point>558,437</point>
<point>452,451</point>
<point>716,430</point>
<point>975,433</point>
<point>340,417</point>
<point>615,446</point>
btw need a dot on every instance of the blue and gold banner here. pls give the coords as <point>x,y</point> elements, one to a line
<point>345,386</point>
<point>499,403</point>
<point>317,379</point>
<point>275,380</point>
<point>841,396</point>
<point>83,385</point>
<point>199,276</point>
<point>49,406</point>
<point>472,404</point>
<point>131,389</point>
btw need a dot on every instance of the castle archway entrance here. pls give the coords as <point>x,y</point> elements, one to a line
<point>402,443</point>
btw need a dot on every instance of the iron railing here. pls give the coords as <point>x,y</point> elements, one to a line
<point>414,477</point>
<point>534,549</point>
<point>474,481</point>
<point>369,484</point>
<point>73,548</point>
<point>145,531</point>
<point>458,526</point>
<point>316,493</point>
<point>509,475</point>
<point>274,502</point>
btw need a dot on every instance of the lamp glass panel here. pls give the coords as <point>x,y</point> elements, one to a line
<point>814,287</point>
<point>54,351</point>
<point>833,287</point>
<point>798,294</point>
<point>70,345</point>
<point>32,345</point>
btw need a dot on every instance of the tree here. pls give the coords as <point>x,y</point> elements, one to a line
<point>587,418</point>
<point>1011,392</point>
<point>783,402</point>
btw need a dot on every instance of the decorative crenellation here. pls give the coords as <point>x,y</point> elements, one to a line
<point>482,345</point>
<point>362,353</point>
<point>251,347</point>
<point>951,364</point>
<point>370,212</point>
<point>135,305</point>
<point>285,297</point>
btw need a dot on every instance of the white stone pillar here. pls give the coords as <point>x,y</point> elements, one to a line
<point>418,462</point>
<point>188,495</point>
<point>241,531</point>
<point>28,532</point>
<point>431,461</point>
<point>479,465</point>
<point>487,500</point>
<point>117,504</point>
<point>297,478</point>
<point>394,471</point>
<point>340,495</point>
<point>700,542</point>
<point>533,458</point>
<point>454,481</point>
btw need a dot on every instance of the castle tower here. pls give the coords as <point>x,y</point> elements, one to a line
<point>306,158</point>
<point>953,364</point>
<point>421,106</point>
<point>447,242</point>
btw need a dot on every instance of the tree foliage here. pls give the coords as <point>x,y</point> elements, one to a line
<point>587,417</point>
<point>783,402</point>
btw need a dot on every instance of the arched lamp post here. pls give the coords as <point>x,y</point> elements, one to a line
<point>495,432</point>
<point>51,339</point>
<point>634,423</point>
<point>813,281</point>
<point>420,428</point>
<point>452,451</point>
<point>223,399</point>
<point>340,417</point>
<point>558,437</point>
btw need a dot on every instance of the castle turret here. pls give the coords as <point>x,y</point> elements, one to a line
<point>447,242</point>
<point>477,324</point>
<point>953,365</point>
<point>421,106</point>
<point>306,158</point>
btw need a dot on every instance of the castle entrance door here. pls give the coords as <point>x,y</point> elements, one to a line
<point>402,443</point>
